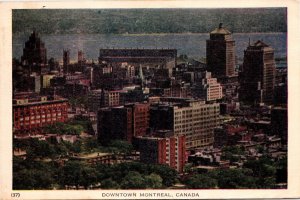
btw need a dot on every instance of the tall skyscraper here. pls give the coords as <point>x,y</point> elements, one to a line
<point>220,53</point>
<point>257,78</point>
<point>34,52</point>
<point>66,60</point>
<point>81,57</point>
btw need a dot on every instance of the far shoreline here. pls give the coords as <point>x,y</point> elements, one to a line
<point>141,34</point>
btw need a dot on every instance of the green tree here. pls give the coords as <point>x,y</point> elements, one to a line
<point>153,181</point>
<point>109,184</point>
<point>281,170</point>
<point>39,148</point>
<point>201,181</point>
<point>121,147</point>
<point>188,168</point>
<point>264,167</point>
<point>230,156</point>
<point>71,173</point>
<point>266,183</point>
<point>61,149</point>
<point>88,176</point>
<point>90,144</point>
<point>24,180</point>
<point>32,175</point>
<point>133,180</point>
<point>236,179</point>
<point>232,153</point>
<point>168,174</point>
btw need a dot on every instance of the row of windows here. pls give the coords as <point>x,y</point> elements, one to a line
<point>38,121</point>
<point>196,111</point>
<point>39,112</point>
<point>206,119</point>
<point>63,105</point>
<point>39,116</point>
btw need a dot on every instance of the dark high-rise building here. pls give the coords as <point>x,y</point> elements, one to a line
<point>81,57</point>
<point>34,51</point>
<point>66,60</point>
<point>114,124</point>
<point>220,53</point>
<point>123,122</point>
<point>279,122</point>
<point>258,74</point>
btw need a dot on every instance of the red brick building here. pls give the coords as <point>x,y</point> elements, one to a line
<point>140,116</point>
<point>30,114</point>
<point>123,122</point>
<point>163,148</point>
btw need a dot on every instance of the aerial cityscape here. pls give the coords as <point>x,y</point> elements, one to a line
<point>150,99</point>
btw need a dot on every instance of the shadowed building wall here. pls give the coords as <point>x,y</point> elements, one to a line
<point>257,78</point>
<point>220,53</point>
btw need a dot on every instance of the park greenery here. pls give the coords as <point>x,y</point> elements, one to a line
<point>73,127</point>
<point>262,173</point>
<point>33,174</point>
<point>47,166</point>
<point>50,175</point>
<point>232,153</point>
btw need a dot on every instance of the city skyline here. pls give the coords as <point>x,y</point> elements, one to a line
<point>173,104</point>
<point>194,40</point>
<point>144,94</point>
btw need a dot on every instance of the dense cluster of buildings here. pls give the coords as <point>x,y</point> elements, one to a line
<point>167,109</point>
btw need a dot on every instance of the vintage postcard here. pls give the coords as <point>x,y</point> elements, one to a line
<point>149,100</point>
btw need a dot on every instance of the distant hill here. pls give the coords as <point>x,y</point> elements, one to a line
<point>137,21</point>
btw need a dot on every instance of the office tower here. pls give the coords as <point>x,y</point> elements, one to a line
<point>258,74</point>
<point>34,53</point>
<point>123,122</point>
<point>81,57</point>
<point>140,118</point>
<point>209,89</point>
<point>194,119</point>
<point>220,53</point>
<point>163,148</point>
<point>114,124</point>
<point>66,60</point>
<point>94,100</point>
